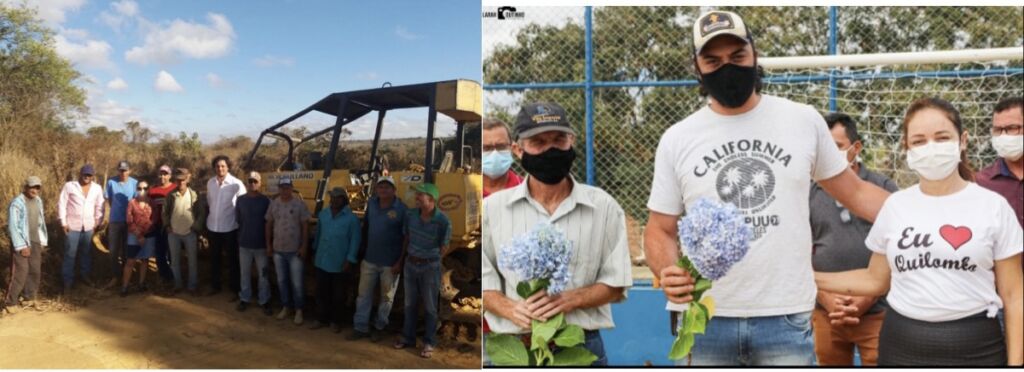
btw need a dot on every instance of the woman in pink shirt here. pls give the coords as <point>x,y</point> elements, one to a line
<point>141,237</point>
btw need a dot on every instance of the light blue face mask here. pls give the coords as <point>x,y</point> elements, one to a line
<point>496,163</point>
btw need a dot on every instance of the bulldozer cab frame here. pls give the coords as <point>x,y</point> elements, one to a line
<point>457,99</point>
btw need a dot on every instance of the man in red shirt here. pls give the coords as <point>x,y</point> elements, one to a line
<point>157,194</point>
<point>1006,175</point>
<point>497,158</point>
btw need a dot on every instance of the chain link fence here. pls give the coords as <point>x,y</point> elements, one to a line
<point>641,78</point>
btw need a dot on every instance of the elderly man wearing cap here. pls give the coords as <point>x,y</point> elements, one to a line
<point>80,209</point>
<point>119,191</point>
<point>183,218</point>
<point>592,220</point>
<point>157,196</point>
<point>427,233</point>
<point>287,235</point>
<point>251,211</point>
<point>759,153</point>
<point>27,228</point>
<point>385,220</point>
<point>336,243</point>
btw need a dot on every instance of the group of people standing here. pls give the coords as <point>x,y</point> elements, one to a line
<point>239,221</point>
<point>927,275</point>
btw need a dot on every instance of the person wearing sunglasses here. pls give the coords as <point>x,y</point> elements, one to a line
<point>141,240</point>
<point>838,245</point>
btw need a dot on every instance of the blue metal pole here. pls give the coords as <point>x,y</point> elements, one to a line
<point>833,18</point>
<point>589,86</point>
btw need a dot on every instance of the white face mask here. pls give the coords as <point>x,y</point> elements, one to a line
<point>935,160</point>
<point>1009,147</point>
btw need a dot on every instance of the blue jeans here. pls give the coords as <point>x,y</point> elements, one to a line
<point>422,283</point>
<point>289,279</point>
<point>176,242</point>
<point>369,275</point>
<point>784,340</point>
<point>78,243</point>
<point>245,258</point>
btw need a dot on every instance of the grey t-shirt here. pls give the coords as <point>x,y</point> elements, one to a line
<point>33,220</point>
<point>838,234</point>
<point>288,218</point>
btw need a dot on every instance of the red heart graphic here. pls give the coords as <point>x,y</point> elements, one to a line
<point>956,236</point>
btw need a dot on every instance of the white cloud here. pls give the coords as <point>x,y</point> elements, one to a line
<point>75,33</point>
<point>53,12</point>
<point>182,39</point>
<point>117,84</point>
<point>90,53</point>
<point>271,60</point>
<point>120,13</point>
<point>166,83</point>
<point>404,33</point>
<point>214,80</point>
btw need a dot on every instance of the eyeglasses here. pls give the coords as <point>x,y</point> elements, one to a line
<point>253,182</point>
<point>141,189</point>
<point>1012,130</point>
<point>496,147</point>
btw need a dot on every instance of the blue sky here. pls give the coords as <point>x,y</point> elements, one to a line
<point>224,68</point>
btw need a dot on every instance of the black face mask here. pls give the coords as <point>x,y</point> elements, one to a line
<point>551,166</point>
<point>731,85</point>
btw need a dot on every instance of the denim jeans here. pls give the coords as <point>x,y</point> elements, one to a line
<point>245,258</point>
<point>369,275</point>
<point>289,279</point>
<point>163,259</point>
<point>422,284</point>
<point>176,242</point>
<point>784,340</point>
<point>78,244</point>
<point>117,239</point>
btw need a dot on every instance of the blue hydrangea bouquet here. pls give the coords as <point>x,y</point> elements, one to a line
<point>713,238</point>
<point>541,260</point>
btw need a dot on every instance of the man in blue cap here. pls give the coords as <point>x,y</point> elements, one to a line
<point>119,191</point>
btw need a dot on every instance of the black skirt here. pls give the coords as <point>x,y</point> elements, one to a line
<point>972,341</point>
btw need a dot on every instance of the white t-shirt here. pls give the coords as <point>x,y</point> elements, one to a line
<point>763,162</point>
<point>942,249</point>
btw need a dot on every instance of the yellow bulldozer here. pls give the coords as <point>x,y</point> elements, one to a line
<point>460,185</point>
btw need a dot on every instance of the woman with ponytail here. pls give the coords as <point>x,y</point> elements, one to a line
<point>947,251</point>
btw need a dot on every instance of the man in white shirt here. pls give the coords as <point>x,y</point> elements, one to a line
<point>591,219</point>
<point>221,193</point>
<point>759,153</point>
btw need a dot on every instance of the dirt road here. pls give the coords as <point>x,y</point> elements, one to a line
<point>102,330</point>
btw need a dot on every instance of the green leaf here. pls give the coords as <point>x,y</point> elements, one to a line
<point>543,332</point>
<point>574,356</point>
<point>685,263</point>
<point>681,347</point>
<point>700,287</point>
<point>544,356</point>
<point>696,319</point>
<point>571,336</point>
<point>507,350</point>
<point>530,287</point>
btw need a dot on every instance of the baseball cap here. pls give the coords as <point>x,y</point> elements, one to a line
<point>88,170</point>
<point>338,191</point>
<point>255,176</point>
<point>284,181</point>
<point>182,174</point>
<point>387,179</point>
<point>717,23</point>
<point>539,117</point>
<point>164,168</point>
<point>123,165</point>
<point>33,181</point>
<point>427,188</point>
